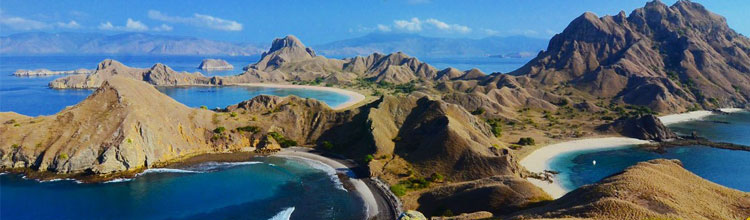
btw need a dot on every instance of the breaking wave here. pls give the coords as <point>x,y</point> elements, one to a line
<point>332,173</point>
<point>283,215</point>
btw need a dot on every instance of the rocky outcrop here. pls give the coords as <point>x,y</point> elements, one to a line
<point>46,72</point>
<point>498,194</point>
<point>646,127</point>
<point>664,57</point>
<point>125,125</point>
<point>215,64</point>
<point>159,74</point>
<point>656,189</point>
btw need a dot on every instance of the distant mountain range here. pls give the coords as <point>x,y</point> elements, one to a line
<point>40,43</point>
<point>421,46</point>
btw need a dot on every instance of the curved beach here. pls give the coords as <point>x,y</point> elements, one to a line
<point>694,115</point>
<point>538,161</point>
<point>375,202</point>
<point>354,97</point>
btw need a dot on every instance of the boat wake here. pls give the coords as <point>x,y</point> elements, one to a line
<point>283,215</point>
<point>214,166</point>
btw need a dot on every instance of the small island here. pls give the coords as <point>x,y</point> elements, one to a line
<point>215,64</point>
<point>46,72</point>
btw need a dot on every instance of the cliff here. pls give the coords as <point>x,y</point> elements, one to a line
<point>656,189</point>
<point>668,58</point>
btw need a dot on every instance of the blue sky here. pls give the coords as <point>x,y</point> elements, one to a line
<point>322,21</point>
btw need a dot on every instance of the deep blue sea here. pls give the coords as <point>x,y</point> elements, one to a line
<point>729,168</point>
<point>264,188</point>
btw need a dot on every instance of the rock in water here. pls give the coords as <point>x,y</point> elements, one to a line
<point>215,64</point>
<point>647,127</point>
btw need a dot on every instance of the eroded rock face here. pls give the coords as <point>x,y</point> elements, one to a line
<point>646,127</point>
<point>124,125</point>
<point>664,57</point>
<point>159,74</point>
<point>654,189</point>
<point>498,194</point>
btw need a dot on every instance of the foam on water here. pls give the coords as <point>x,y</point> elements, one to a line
<point>166,170</point>
<point>320,166</point>
<point>118,180</point>
<point>213,166</point>
<point>283,215</point>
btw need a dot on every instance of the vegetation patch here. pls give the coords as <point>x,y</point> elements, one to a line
<point>283,141</point>
<point>251,129</point>
<point>526,141</point>
<point>220,130</point>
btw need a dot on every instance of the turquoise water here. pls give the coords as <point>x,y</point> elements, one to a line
<point>31,96</point>
<point>258,189</point>
<point>729,168</point>
<point>213,97</point>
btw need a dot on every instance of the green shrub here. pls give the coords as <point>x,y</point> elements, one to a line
<point>251,129</point>
<point>220,130</point>
<point>15,146</point>
<point>396,139</point>
<point>478,111</point>
<point>607,118</point>
<point>398,189</point>
<point>233,114</point>
<point>130,141</point>
<point>497,127</point>
<point>526,141</point>
<point>326,145</point>
<point>62,156</point>
<point>283,141</point>
<point>437,178</point>
<point>369,158</point>
<point>204,107</point>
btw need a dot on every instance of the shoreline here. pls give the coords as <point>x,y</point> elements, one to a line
<point>354,97</point>
<point>360,185</point>
<point>694,115</point>
<point>538,160</point>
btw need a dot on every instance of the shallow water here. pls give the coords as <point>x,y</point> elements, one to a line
<point>730,168</point>
<point>260,189</point>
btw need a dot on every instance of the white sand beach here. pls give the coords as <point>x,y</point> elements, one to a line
<point>538,161</point>
<point>361,188</point>
<point>694,115</point>
<point>354,97</point>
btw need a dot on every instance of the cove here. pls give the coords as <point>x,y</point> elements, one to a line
<point>263,188</point>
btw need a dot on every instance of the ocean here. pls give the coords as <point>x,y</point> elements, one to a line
<point>730,168</point>
<point>265,188</point>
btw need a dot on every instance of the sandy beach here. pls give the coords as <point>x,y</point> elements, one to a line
<point>694,115</point>
<point>361,188</point>
<point>538,161</point>
<point>354,97</point>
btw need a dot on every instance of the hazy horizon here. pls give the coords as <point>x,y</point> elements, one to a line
<point>313,22</point>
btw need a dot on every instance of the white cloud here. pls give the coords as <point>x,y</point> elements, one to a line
<point>133,25</point>
<point>383,28</point>
<point>70,25</point>
<point>448,27</point>
<point>19,23</point>
<point>418,25</point>
<point>199,20</point>
<point>488,31</point>
<point>163,27</point>
<point>413,25</point>
<point>107,26</point>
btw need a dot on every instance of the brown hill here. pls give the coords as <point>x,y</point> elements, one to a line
<point>159,74</point>
<point>656,189</point>
<point>124,125</point>
<point>664,57</point>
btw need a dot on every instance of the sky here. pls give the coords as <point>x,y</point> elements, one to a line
<point>317,22</point>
